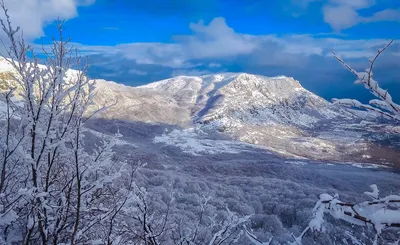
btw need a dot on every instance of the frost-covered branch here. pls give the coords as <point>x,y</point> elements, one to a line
<point>209,228</point>
<point>230,229</point>
<point>381,214</point>
<point>57,186</point>
<point>254,240</point>
<point>384,105</point>
<point>52,189</point>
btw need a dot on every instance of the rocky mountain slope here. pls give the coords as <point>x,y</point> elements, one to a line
<point>276,113</point>
<point>241,97</point>
<point>269,111</point>
<point>225,99</point>
<point>237,98</point>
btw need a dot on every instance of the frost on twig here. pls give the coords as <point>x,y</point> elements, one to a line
<point>211,227</point>
<point>52,190</point>
<point>381,214</point>
<point>57,184</point>
<point>254,240</point>
<point>384,105</point>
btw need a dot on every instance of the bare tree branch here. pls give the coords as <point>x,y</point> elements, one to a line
<point>385,105</point>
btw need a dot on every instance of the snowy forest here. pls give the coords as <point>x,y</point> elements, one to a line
<point>60,183</point>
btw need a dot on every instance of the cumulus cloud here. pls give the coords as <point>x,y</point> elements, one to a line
<point>344,14</point>
<point>217,41</point>
<point>214,40</point>
<point>341,17</point>
<point>216,47</point>
<point>385,15</point>
<point>308,58</point>
<point>33,15</point>
<point>189,72</point>
<point>356,4</point>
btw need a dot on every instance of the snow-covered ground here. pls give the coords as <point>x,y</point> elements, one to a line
<point>189,161</point>
<point>278,192</point>
<point>194,141</point>
<point>276,113</point>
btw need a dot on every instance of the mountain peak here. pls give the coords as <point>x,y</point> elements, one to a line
<point>240,97</point>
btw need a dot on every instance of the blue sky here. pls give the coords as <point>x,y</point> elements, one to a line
<point>139,41</point>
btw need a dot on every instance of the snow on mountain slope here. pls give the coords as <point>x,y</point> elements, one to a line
<point>234,97</point>
<point>276,113</point>
<point>237,97</point>
<point>261,100</point>
<point>268,111</point>
<point>194,141</point>
<point>135,104</point>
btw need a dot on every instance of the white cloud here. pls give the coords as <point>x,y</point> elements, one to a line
<point>33,15</point>
<point>355,4</point>
<point>217,41</point>
<point>137,72</point>
<point>189,72</point>
<point>385,15</point>
<point>340,17</point>
<point>204,50</point>
<point>152,53</point>
<point>344,14</point>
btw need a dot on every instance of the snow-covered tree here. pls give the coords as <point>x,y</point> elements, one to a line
<point>55,186</point>
<point>384,104</point>
<point>208,228</point>
<point>52,189</point>
<point>379,214</point>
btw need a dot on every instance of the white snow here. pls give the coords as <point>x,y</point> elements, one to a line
<point>189,141</point>
<point>375,192</point>
<point>298,163</point>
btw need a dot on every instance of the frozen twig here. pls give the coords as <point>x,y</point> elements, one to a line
<point>384,105</point>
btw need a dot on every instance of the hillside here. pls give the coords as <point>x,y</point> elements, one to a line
<point>248,142</point>
<point>275,113</point>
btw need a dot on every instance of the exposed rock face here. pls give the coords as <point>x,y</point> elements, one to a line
<point>244,98</point>
<point>276,113</point>
<point>268,111</point>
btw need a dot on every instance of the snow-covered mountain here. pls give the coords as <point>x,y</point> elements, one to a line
<point>276,113</point>
<point>270,111</point>
<point>223,99</point>
<point>226,100</point>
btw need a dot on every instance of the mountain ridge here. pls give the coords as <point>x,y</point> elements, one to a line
<point>275,113</point>
<point>208,95</point>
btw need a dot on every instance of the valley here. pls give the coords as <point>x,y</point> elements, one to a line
<point>264,147</point>
<point>275,113</point>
